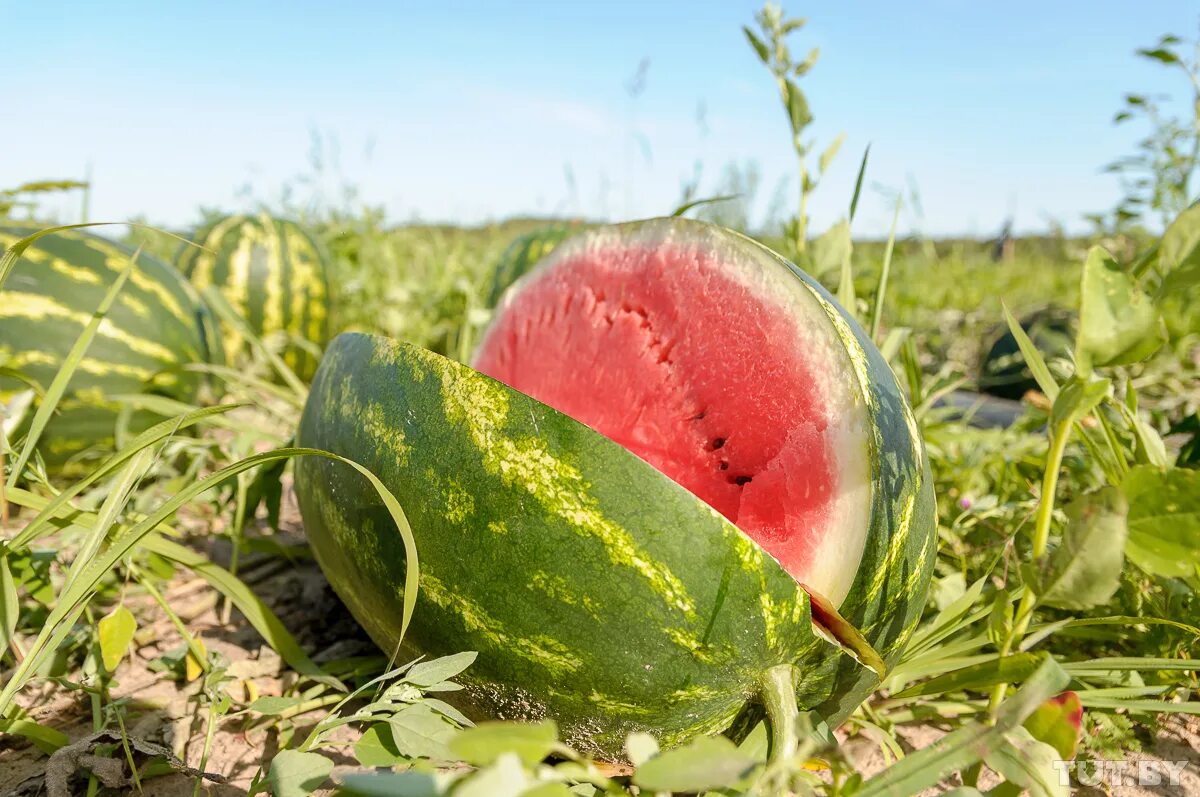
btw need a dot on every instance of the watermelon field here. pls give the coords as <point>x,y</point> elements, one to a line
<point>301,499</point>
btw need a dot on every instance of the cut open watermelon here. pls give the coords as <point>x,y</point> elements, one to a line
<point>722,371</point>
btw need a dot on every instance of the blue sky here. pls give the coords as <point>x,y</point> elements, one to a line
<point>466,112</point>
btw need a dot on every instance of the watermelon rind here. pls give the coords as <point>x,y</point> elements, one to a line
<point>156,327</point>
<point>273,273</point>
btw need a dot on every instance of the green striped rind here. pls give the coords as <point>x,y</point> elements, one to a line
<point>523,254</point>
<point>273,273</point>
<point>892,583</point>
<point>596,590</point>
<point>156,327</point>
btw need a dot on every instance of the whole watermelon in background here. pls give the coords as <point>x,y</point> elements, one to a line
<point>157,325</point>
<point>1004,372</point>
<point>273,273</point>
<point>523,254</point>
<point>575,553</point>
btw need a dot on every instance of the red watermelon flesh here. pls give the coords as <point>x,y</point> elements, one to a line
<point>717,373</point>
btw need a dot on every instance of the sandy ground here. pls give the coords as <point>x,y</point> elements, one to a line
<point>167,713</point>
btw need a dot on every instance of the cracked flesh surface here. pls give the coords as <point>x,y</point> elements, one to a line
<point>660,349</point>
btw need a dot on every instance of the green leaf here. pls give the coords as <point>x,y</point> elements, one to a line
<point>1164,520</point>
<point>505,778</point>
<point>1076,399</point>
<point>1118,322</point>
<point>640,748</point>
<point>858,181</point>
<point>1085,570</point>
<point>1191,708</point>
<point>1033,358</point>
<point>548,790</point>
<point>419,732</point>
<point>43,738</point>
<point>116,632</point>
<point>487,741</point>
<point>797,106</point>
<point>1160,54</point>
<point>428,673</point>
<point>1028,763</point>
<point>695,203</point>
<point>1179,255</point>
<point>297,774</point>
<point>272,705</point>
<point>760,47</point>
<point>830,152</point>
<point>377,748</point>
<point>1057,722</point>
<point>10,604</point>
<point>978,677</point>
<point>709,762</point>
<point>391,784</point>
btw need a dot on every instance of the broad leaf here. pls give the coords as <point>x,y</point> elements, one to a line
<point>1164,520</point>
<point>377,748</point>
<point>1057,722</point>
<point>428,673</point>
<point>487,741</point>
<point>419,732</point>
<point>505,778</point>
<point>760,47</point>
<point>1029,764</point>
<point>797,106</point>
<point>831,253</point>
<point>1179,253</point>
<point>709,762</point>
<point>391,784</point>
<point>1085,570</point>
<point>1118,322</point>
<point>297,774</point>
<point>640,748</point>
<point>830,153</point>
<point>116,632</point>
<point>1076,399</point>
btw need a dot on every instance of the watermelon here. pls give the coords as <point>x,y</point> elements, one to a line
<point>1004,373</point>
<point>273,273</point>
<point>523,254</point>
<point>675,467</point>
<point>157,326</point>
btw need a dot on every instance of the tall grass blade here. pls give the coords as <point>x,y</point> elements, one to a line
<point>858,182</point>
<point>74,597</point>
<point>881,289</point>
<point>158,432</point>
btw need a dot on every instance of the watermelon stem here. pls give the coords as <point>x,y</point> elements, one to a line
<point>783,714</point>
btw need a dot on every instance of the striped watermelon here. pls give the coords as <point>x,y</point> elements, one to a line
<point>597,586</point>
<point>523,254</point>
<point>157,325</point>
<point>273,273</point>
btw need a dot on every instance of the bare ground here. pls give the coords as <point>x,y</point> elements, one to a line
<point>166,712</point>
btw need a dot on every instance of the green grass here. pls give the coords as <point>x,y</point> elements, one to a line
<point>78,556</point>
